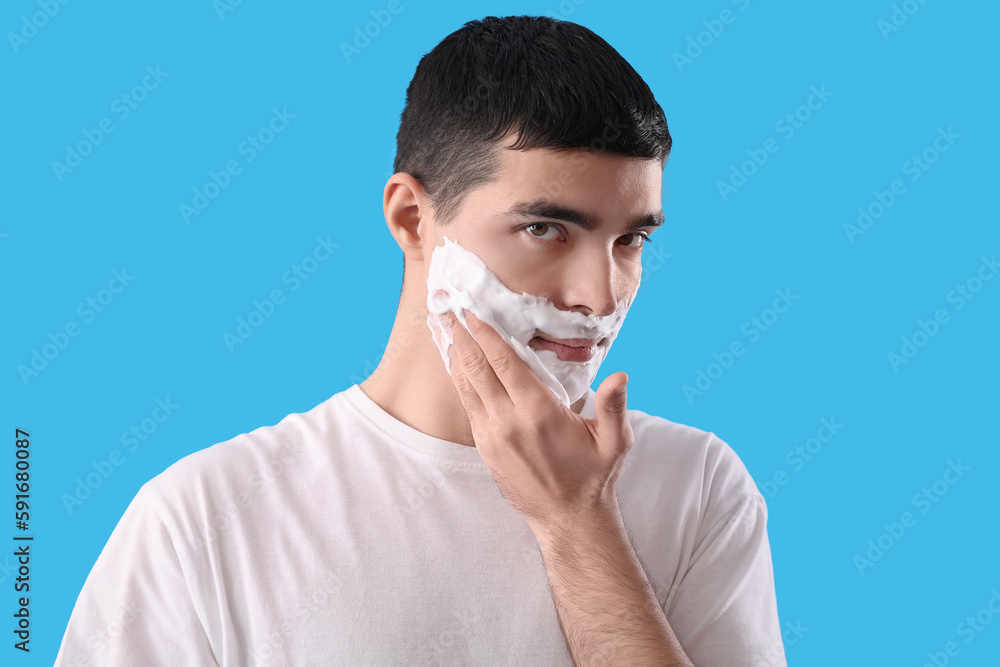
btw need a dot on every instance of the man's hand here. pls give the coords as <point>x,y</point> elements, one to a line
<point>552,465</point>
<point>559,471</point>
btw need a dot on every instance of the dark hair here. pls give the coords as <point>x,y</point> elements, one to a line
<point>558,84</point>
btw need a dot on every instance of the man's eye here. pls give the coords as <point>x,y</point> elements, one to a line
<point>640,235</point>
<point>544,225</point>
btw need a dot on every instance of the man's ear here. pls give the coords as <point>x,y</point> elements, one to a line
<point>408,214</point>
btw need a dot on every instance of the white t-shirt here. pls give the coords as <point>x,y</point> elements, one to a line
<point>342,536</point>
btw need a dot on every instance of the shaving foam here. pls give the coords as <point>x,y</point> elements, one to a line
<point>458,278</point>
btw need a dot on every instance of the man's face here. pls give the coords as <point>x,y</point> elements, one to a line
<point>520,225</point>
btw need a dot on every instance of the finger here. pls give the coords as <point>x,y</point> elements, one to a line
<point>479,372</point>
<point>611,412</point>
<point>522,386</point>
<point>471,400</point>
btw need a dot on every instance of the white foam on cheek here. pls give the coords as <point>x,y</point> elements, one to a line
<point>458,278</point>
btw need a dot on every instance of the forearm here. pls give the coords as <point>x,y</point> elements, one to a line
<point>607,608</point>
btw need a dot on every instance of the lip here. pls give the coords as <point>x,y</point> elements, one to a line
<point>569,349</point>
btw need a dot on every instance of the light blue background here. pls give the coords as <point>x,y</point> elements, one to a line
<point>826,357</point>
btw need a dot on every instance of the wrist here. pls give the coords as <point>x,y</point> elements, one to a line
<point>569,529</point>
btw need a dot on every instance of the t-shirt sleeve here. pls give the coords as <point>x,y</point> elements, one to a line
<point>136,605</point>
<point>724,611</point>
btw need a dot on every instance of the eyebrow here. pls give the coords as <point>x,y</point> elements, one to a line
<point>543,208</point>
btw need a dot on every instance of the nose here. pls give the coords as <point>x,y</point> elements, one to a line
<point>590,285</point>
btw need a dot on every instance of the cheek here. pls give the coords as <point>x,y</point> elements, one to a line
<point>518,269</point>
<point>523,275</point>
<point>521,270</point>
<point>633,276</point>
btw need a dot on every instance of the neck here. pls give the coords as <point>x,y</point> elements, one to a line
<point>412,384</point>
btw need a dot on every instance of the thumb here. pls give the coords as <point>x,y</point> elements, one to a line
<point>610,406</point>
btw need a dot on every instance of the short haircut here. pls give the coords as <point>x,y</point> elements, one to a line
<point>557,84</point>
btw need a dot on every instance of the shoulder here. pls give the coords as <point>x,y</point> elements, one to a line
<point>218,483</point>
<point>690,464</point>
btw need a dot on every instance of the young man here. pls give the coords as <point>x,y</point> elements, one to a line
<point>465,515</point>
